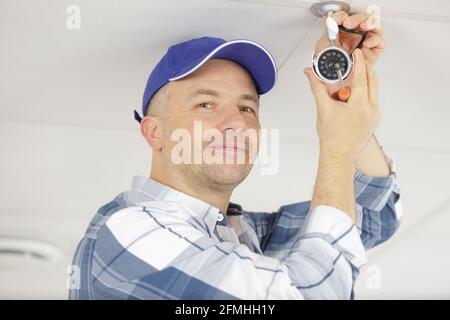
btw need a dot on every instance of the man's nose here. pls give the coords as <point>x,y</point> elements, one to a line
<point>232,118</point>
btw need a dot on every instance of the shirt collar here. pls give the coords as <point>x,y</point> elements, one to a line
<point>158,191</point>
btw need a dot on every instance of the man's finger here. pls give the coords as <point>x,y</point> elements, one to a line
<point>372,24</point>
<point>371,55</point>
<point>340,17</point>
<point>359,81</point>
<point>355,20</point>
<point>372,85</point>
<point>318,88</point>
<point>374,41</point>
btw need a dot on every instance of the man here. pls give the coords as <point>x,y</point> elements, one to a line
<point>175,235</point>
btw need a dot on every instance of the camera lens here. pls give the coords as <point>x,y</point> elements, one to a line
<point>330,61</point>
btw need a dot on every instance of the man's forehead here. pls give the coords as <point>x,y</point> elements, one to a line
<point>202,80</point>
<point>209,90</point>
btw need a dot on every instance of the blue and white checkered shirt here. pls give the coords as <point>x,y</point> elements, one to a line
<point>154,242</point>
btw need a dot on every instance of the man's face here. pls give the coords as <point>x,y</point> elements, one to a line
<point>219,101</point>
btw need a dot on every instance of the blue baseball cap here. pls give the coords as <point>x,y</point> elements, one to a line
<point>184,58</point>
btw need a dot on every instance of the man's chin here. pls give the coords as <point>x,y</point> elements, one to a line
<point>227,174</point>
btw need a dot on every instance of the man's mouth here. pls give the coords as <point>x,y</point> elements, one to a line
<point>229,147</point>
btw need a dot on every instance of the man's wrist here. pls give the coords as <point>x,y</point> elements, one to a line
<point>334,183</point>
<point>338,158</point>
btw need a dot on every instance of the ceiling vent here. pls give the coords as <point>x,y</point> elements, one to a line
<point>18,248</point>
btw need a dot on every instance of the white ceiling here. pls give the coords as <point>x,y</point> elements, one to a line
<point>69,142</point>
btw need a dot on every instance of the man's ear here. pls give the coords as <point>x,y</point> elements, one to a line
<point>150,129</point>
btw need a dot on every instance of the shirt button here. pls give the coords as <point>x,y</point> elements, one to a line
<point>220,217</point>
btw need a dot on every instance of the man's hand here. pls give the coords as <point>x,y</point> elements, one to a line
<point>372,47</point>
<point>344,129</point>
<point>371,160</point>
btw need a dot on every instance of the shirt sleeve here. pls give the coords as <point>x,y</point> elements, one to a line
<point>378,215</point>
<point>142,254</point>
<point>378,206</point>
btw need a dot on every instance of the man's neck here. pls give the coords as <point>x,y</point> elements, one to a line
<point>215,197</point>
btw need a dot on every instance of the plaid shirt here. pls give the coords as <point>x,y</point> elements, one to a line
<point>154,242</point>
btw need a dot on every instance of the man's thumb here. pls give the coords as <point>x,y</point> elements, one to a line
<point>318,88</point>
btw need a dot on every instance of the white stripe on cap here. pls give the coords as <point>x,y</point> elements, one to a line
<point>222,46</point>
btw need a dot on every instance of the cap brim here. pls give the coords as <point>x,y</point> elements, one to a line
<point>251,55</point>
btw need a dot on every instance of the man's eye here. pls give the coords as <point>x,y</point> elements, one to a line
<point>205,105</point>
<point>247,109</point>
